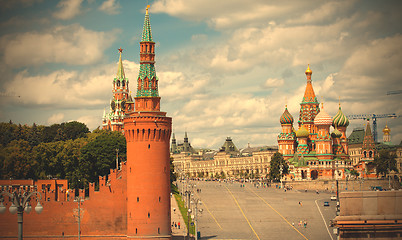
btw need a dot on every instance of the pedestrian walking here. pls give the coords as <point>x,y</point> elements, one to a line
<point>305,223</point>
<point>174,210</point>
<point>178,225</point>
<point>175,225</point>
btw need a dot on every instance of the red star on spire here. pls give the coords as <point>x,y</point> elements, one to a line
<point>120,50</point>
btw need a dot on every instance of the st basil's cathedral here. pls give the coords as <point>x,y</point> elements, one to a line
<point>313,151</point>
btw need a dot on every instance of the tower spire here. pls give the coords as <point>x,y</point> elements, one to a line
<point>146,31</point>
<point>120,70</point>
<point>147,97</point>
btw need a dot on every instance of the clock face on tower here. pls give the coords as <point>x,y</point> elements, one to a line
<point>123,104</point>
<point>113,105</point>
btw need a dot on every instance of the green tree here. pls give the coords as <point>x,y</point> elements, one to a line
<point>99,155</point>
<point>173,175</point>
<point>385,162</point>
<point>354,173</point>
<point>7,133</point>
<point>73,130</point>
<point>276,161</point>
<point>16,161</point>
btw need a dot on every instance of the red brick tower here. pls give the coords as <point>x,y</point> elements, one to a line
<point>147,132</point>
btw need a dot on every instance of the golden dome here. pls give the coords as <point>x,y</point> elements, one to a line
<point>386,129</point>
<point>308,70</point>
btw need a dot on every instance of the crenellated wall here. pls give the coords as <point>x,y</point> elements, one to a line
<point>103,212</point>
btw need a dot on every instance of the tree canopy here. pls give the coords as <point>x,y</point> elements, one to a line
<point>385,162</point>
<point>276,162</point>
<point>65,151</point>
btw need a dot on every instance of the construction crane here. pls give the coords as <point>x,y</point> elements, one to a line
<point>374,117</point>
<point>394,92</point>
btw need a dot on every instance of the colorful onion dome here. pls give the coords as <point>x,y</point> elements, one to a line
<point>340,120</point>
<point>336,133</point>
<point>386,130</point>
<point>302,132</point>
<point>286,117</point>
<point>322,118</point>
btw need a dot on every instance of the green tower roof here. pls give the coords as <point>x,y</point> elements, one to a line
<point>120,70</point>
<point>146,31</point>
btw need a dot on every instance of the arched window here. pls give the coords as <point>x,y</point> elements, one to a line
<point>370,154</point>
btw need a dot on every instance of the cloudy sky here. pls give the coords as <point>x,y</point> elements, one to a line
<point>226,68</point>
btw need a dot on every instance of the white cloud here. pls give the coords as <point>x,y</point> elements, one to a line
<point>68,9</point>
<point>66,89</point>
<point>227,14</point>
<point>273,83</point>
<point>92,121</point>
<point>110,7</point>
<point>72,44</point>
<point>55,118</point>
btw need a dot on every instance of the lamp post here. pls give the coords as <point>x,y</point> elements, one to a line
<point>337,189</point>
<point>281,170</point>
<point>20,202</point>
<point>196,201</point>
<point>188,193</point>
<point>79,199</point>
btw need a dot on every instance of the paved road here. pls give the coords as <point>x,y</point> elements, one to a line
<point>234,212</point>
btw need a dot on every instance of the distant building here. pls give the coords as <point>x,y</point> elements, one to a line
<point>227,161</point>
<point>181,147</point>
<point>313,151</point>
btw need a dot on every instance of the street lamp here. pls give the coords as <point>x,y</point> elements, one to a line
<point>281,170</point>
<point>196,201</point>
<point>188,193</point>
<point>20,202</point>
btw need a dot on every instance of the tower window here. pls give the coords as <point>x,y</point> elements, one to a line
<point>159,230</point>
<point>149,146</point>
<point>149,215</point>
<point>138,199</point>
<point>136,231</point>
<point>159,199</point>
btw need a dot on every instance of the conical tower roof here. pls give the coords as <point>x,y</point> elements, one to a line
<point>120,70</point>
<point>146,31</point>
<point>368,141</point>
<point>309,95</point>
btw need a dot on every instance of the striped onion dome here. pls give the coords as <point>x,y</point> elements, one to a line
<point>336,133</point>
<point>286,117</point>
<point>340,119</point>
<point>322,118</point>
<point>302,132</point>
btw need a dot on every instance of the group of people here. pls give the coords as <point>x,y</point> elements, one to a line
<point>301,223</point>
<point>176,225</point>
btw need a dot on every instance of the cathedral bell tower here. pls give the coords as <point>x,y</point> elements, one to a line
<point>147,132</point>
